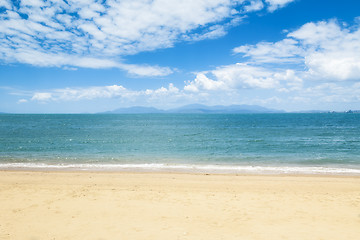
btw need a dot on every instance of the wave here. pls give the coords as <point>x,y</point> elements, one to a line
<point>184,168</point>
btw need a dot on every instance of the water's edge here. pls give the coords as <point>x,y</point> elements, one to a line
<point>183,168</point>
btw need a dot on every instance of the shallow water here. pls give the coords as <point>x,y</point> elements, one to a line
<point>191,141</point>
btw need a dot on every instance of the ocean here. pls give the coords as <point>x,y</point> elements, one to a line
<point>289,143</point>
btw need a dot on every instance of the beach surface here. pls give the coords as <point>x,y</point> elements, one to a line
<point>104,205</point>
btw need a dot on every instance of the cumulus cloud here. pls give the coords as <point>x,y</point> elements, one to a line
<point>332,51</point>
<point>202,82</point>
<point>319,62</point>
<point>326,50</point>
<point>244,76</point>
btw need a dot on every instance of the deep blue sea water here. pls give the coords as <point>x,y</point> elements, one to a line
<point>256,143</point>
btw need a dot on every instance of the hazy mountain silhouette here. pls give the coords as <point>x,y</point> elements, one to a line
<point>198,108</point>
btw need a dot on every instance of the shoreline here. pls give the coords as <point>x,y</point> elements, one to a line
<point>174,173</point>
<point>186,168</point>
<point>124,205</point>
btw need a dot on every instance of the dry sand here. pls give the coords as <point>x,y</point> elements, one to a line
<point>84,205</point>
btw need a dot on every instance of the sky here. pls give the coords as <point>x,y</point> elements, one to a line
<point>88,56</point>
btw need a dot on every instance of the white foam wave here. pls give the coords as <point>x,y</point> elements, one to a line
<point>192,168</point>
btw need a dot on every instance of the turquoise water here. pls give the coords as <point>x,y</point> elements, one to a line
<point>214,142</point>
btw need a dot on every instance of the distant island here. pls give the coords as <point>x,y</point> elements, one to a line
<point>204,109</point>
<point>218,109</point>
<point>197,108</point>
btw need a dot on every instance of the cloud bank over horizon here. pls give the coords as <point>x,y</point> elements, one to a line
<point>319,60</point>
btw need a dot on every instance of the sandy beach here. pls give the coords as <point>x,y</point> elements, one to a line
<point>102,205</point>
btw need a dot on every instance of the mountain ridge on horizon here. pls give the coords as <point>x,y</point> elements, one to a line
<point>196,108</point>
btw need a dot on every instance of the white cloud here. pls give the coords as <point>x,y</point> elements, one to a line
<point>145,70</point>
<point>244,76</point>
<point>102,92</point>
<point>334,65</point>
<point>326,50</point>
<point>93,34</point>
<point>319,33</point>
<point>202,82</point>
<point>22,101</point>
<point>317,63</point>
<point>213,32</point>
<point>291,81</point>
<point>254,5</point>
<point>162,91</point>
<point>42,96</point>
<point>332,51</point>
<point>286,50</point>
<point>42,59</point>
<point>96,34</point>
<point>276,4</point>
<point>5,4</point>
<point>333,93</point>
<point>270,5</point>
<point>75,94</point>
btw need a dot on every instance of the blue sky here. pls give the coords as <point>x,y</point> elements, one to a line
<point>92,56</point>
